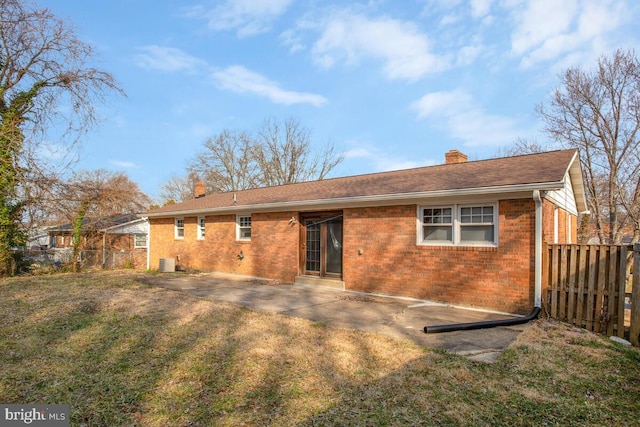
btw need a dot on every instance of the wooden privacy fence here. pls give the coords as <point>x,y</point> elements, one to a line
<point>592,287</point>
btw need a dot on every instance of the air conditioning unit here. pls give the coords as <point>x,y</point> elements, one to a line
<point>167,265</point>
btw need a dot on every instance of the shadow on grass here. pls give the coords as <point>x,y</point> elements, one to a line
<point>121,353</point>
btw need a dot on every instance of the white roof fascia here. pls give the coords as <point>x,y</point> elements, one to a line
<point>365,201</point>
<point>574,170</point>
<point>124,224</point>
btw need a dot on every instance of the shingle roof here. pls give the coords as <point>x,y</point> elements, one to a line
<point>540,168</point>
<point>97,223</point>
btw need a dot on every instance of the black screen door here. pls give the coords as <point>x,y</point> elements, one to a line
<point>323,247</point>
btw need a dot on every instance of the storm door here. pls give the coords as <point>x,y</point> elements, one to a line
<point>322,245</point>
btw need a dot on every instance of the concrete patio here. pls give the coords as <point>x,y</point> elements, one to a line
<point>395,317</point>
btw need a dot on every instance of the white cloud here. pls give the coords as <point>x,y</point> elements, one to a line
<point>450,19</point>
<point>123,164</point>
<point>468,54</point>
<point>293,40</point>
<point>480,8</point>
<point>442,103</point>
<point>358,152</point>
<point>51,151</point>
<point>539,20</point>
<point>349,37</point>
<point>246,17</point>
<point>457,113</point>
<point>382,161</point>
<point>168,59</point>
<point>547,30</point>
<point>241,80</point>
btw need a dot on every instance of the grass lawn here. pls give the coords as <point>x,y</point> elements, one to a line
<point>121,353</point>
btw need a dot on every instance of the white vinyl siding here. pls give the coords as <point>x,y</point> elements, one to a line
<point>564,198</point>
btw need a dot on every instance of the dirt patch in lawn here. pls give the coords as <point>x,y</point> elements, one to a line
<point>122,353</point>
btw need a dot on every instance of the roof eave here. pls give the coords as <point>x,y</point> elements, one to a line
<point>574,170</point>
<point>364,201</point>
<point>124,224</point>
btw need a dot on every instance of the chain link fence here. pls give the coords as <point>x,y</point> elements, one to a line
<point>89,259</point>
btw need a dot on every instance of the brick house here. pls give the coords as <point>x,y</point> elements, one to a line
<point>125,235</point>
<point>467,233</point>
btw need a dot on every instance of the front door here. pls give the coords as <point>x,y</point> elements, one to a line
<point>322,247</point>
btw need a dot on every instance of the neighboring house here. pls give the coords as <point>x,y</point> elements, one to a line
<point>463,233</point>
<point>38,238</point>
<point>591,232</point>
<point>103,238</point>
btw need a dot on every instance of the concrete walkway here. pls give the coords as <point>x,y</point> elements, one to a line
<point>402,318</point>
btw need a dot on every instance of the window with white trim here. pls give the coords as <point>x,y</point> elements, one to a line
<point>179,228</point>
<point>437,224</point>
<point>140,240</point>
<point>243,227</point>
<point>201,228</point>
<point>464,225</point>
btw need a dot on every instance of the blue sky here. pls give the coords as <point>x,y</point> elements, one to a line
<point>395,84</point>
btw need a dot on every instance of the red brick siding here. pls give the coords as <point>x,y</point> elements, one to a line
<point>139,258</point>
<point>500,278</point>
<point>126,242</point>
<point>564,218</point>
<point>272,251</point>
<point>275,243</point>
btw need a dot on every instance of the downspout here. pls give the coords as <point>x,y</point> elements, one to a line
<point>537,298</point>
<point>148,245</point>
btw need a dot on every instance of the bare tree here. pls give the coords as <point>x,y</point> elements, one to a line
<point>43,67</point>
<point>179,188</point>
<point>285,154</point>
<point>278,153</point>
<point>522,146</point>
<point>108,192</point>
<point>598,112</point>
<point>227,162</point>
<point>90,198</point>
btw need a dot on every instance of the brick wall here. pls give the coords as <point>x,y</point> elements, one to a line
<point>391,262</point>
<point>565,220</point>
<point>500,278</point>
<point>272,251</point>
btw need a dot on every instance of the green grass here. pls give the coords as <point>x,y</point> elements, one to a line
<point>121,353</point>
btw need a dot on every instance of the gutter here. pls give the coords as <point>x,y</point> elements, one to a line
<point>361,201</point>
<point>537,300</point>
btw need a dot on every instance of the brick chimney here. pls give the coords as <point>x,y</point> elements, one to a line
<point>454,156</point>
<point>199,190</point>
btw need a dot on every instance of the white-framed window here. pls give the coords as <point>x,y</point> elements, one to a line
<point>201,228</point>
<point>140,240</point>
<point>243,227</point>
<point>458,224</point>
<point>437,224</point>
<point>179,228</point>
